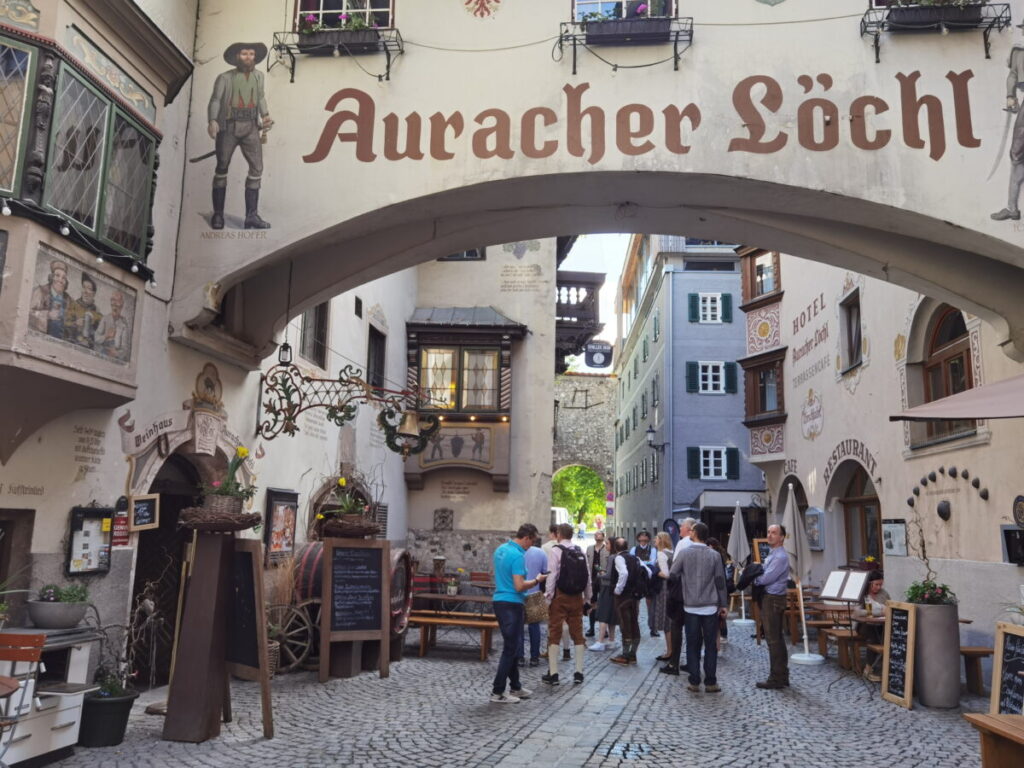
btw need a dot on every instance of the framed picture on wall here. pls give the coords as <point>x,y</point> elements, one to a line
<point>144,512</point>
<point>814,523</point>
<point>89,540</point>
<point>279,524</point>
<point>894,538</point>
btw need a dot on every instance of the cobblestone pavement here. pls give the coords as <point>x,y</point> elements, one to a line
<point>434,712</point>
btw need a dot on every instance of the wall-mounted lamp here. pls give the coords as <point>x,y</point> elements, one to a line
<point>649,434</point>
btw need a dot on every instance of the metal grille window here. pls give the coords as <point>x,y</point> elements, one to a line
<point>76,152</point>
<point>128,184</point>
<point>14,73</point>
<point>350,14</point>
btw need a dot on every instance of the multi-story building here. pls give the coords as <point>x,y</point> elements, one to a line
<point>680,444</point>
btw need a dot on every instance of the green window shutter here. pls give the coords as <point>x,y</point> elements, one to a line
<point>726,307</point>
<point>692,375</point>
<point>730,378</point>
<point>693,463</point>
<point>694,308</point>
<point>732,463</point>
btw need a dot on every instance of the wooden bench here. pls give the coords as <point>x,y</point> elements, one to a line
<point>973,655</point>
<point>848,643</point>
<point>428,623</point>
<point>1002,739</point>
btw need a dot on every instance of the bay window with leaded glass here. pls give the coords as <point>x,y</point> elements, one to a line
<point>461,379</point>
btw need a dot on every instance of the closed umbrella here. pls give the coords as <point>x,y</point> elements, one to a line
<point>739,551</point>
<point>799,552</point>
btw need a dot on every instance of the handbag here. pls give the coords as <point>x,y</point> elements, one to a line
<point>536,608</point>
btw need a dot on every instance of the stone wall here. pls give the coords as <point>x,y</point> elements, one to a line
<point>584,426</point>
<point>470,550</point>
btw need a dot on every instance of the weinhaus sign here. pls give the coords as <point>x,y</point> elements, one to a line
<point>824,121</point>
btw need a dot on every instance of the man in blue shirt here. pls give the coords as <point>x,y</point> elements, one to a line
<point>510,583</point>
<point>773,607</point>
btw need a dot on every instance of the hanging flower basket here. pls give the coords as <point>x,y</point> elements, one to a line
<point>349,527</point>
<point>216,520</point>
<point>628,31</point>
<point>345,41</point>
<point>220,505</point>
<point>913,18</point>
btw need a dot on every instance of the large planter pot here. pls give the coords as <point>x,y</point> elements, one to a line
<point>917,17</point>
<point>105,719</point>
<point>325,42</point>
<point>47,615</point>
<point>628,31</point>
<point>937,656</point>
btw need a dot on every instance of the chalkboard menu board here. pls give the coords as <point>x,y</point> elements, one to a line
<point>761,550</point>
<point>356,596</point>
<point>356,578</point>
<point>144,513</point>
<point>1008,671</point>
<point>898,660</point>
<point>243,643</point>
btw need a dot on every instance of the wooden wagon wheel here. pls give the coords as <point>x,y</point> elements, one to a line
<point>292,629</point>
<point>311,610</point>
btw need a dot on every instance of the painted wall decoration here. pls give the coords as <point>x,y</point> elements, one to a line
<point>1014,117</point>
<point>767,440</point>
<point>470,444</point>
<point>482,9</point>
<point>84,310</point>
<point>812,416</point>
<point>238,118</point>
<point>19,13</point>
<point>83,49</point>
<point>520,248</point>
<point>763,329</point>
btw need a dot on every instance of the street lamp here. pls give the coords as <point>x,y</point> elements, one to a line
<point>649,434</point>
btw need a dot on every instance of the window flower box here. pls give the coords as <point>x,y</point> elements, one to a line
<point>628,31</point>
<point>911,18</point>
<point>324,42</point>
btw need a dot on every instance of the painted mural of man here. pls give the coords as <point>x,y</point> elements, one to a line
<point>113,334</point>
<point>50,302</point>
<point>83,315</point>
<point>1015,82</point>
<point>239,119</point>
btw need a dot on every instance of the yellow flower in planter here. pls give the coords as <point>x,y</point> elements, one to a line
<point>241,451</point>
<point>342,482</point>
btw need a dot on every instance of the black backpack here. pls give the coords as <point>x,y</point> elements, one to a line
<point>638,579</point>
<point>656,581</point>
<point>572,571</point>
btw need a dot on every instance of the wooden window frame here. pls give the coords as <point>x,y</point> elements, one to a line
<point>940,357</point>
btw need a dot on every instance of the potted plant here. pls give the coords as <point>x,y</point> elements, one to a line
<point>59,607</point>
<point>453,581</point>
<point>326,35</point>
<point>908,16</point>
<point>227,495</point>
<point>345,514</point>
<point>937,648</point>
<point>643,22</point>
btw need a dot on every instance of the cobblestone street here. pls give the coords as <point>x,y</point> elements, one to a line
<point>434,712</point>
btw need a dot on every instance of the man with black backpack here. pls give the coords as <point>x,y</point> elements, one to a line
<point>649,557</point>
<point>568,589</point>
<point>631,584</point>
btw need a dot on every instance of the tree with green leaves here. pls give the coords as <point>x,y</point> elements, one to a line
<point>579,490</point>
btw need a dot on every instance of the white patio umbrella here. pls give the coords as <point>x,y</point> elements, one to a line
<point>799,569</point>
<point>739,551</point>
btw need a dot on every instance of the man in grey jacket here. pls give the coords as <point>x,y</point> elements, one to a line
<point>704,597</point>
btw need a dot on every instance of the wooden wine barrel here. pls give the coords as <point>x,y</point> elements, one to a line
<point>309,581</point>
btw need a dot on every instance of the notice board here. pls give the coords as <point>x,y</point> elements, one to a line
<point>1008,671</point>
<point>898,659</point>
<point>246,647</point>
<point>356,588</point>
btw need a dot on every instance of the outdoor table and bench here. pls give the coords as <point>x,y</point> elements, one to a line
<point>1002,739</point>
<point>447,614</point>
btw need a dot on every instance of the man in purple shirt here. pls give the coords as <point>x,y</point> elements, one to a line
<point>773,606</point>
<point>536,564</point>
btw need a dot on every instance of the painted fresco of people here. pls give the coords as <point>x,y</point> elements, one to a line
<point>83,316</point>
<point>238,118</point>
<point>478,444</point>
<point>50,302</point>
<point>436,445</point>
<point>1014,82</point>
<point>113,334</point>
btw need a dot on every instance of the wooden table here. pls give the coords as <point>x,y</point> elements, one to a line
<point>443,602</point>
<point>1002,739</point>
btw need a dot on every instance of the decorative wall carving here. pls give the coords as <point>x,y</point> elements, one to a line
<point>767,440</point>
<point>763,329</point>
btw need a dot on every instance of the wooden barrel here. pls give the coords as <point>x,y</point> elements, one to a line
<point>309,581</point>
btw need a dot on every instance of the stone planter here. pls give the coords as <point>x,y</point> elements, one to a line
<point>937,656</point>
<point>913,18</point>
<point>345,41</point>
<point>628,31</point>
<point>47,615</point>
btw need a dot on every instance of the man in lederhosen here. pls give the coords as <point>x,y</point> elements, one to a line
<point>1014,81</point>
<point>238,117</point>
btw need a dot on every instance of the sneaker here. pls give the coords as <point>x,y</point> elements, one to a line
<point>589,633</point>
<point>566,654</point>
<point>534,662</point>
<point>712,689</point>
<point>692,688</point>
<point>549,679</point>
<point>520,693</point>
<point>597,647</point>
<point>670,669</point>
<point>620,659</point>
<point>577,678</point>
<point>503,698</point>
<point>654,633</point>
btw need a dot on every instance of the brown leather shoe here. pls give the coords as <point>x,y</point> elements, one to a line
<point>620,659</point>
<point>770,685</point>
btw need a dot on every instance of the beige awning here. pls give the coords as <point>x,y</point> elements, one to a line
<point>1000,400</point>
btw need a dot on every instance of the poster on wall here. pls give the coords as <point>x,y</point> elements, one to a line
<point>279,529</point>
<point>81,309</point>
<point>814,520</point>
<point>89,542</point>
<point>894,538</point>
